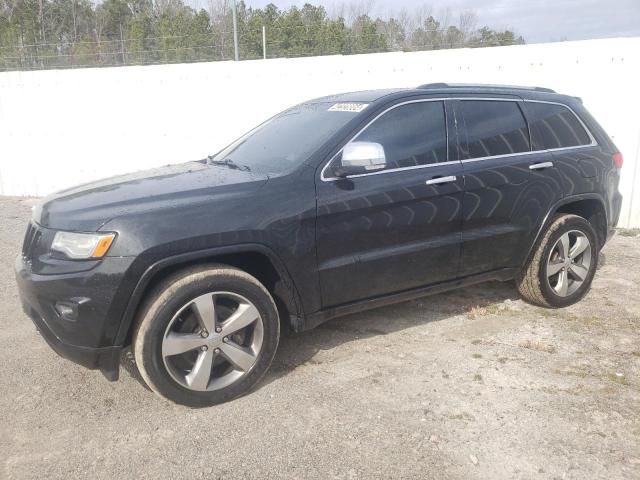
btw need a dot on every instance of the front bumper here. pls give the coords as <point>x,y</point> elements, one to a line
<point>88,338</point>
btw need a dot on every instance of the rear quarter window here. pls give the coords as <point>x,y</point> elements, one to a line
<point>555,126</point>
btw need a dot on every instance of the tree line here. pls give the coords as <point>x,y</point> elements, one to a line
<point>42,34</point>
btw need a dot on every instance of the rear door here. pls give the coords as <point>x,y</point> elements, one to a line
<point>509,188</point>
<point>395,229</point>
<point>576,154</point>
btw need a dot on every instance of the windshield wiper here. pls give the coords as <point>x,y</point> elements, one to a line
<point>227,162</point>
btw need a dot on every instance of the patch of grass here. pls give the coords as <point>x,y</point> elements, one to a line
<point>573,373</point>
<point>462,416</point>
<point>636,353</point>
<point>476,355</point>
<point>538,346</point>
<point>477,377</point>
<point>593,321</point>
<point>476,342</point>
<point>479,311</point>
<point>559,313</point>
<point>628,232</point>
<point>547,312</point>
<point>503,360</point>
<point>621,379</point>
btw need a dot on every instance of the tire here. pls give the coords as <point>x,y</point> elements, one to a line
<point>538,284</point>
<point>174,317</point>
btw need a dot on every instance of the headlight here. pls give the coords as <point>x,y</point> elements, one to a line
<point>82,245</point>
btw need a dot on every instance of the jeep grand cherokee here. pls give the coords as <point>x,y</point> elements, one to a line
<point>336,205</point>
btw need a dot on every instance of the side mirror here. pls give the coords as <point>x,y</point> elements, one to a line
<point>361,157</point>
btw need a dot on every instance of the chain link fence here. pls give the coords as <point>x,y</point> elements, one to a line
<point>214,46</point>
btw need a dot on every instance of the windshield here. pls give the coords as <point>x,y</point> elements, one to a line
<point>288,139</point>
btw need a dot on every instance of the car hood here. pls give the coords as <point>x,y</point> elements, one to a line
<point>88,207</point>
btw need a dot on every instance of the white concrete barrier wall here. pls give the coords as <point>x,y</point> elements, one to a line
<point>63,127</point>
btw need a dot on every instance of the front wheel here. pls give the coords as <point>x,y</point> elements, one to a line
<point>563,263</point>
<point>206,335</point>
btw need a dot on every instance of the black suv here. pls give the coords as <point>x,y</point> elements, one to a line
<point>336,205</point>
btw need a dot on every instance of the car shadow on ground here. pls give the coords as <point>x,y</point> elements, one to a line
<point>476,300</point>
<point>296,349</point>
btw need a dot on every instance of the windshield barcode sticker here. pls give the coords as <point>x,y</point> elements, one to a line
<point>348,107</point>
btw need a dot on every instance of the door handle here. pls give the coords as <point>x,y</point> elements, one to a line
<point>439,180</point>
<point>540,166</point>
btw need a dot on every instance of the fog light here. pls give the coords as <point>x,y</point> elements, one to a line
<point>67,311</point>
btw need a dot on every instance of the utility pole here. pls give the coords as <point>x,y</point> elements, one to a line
<point>75,26</point>
<point>235,30</point>
<point>124,60</point>
<point>264,42</point>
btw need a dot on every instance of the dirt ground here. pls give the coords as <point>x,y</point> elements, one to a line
<point>469,384</point>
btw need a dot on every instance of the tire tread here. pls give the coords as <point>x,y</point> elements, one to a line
<point>528,281</point>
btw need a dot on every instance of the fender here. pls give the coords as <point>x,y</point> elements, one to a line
<point>294,303</point>
<point>554,209</point>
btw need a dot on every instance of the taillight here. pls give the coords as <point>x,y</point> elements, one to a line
<point>617,159</point>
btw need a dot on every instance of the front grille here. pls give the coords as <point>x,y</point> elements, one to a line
<point>31,239</point>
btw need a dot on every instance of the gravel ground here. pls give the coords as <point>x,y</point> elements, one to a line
<point>469,384</point>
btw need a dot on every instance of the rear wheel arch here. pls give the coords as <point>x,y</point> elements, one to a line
<point>592,210</point>
<point>256,260</point>
<point>588,206</point>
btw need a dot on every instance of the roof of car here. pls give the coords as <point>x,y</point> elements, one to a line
<point>360,96</point>
<point>456,87</point>
<point>444,89</point>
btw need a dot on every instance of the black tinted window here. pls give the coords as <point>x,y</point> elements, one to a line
<point>554,126</point>
<point>411,135</point>
<point>491,128</point>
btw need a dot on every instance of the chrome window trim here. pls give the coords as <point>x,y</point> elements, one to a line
<point>586,129</point>
<point>390,170</point>
<point>451,162</point>
<point>519,154</point>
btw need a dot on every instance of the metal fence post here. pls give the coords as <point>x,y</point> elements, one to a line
<point>124,60</point>
<point>235,30</point>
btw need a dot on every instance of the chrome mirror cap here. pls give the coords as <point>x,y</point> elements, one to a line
<point>365,156</point>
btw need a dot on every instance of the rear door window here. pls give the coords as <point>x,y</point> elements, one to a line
<point>555,126</point>
<point>490,128</point>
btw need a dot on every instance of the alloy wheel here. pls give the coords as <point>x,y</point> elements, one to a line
<point>568,263</point>
<point>213,341</point>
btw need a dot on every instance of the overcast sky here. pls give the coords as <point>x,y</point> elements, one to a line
<point>536,20</point>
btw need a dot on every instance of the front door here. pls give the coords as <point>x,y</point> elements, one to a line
<point>397,228</point>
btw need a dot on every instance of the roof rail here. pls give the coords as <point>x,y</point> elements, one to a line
<point>480,85</point>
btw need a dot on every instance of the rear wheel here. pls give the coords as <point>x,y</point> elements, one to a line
<point>563,264</point>
<point>206,335</point>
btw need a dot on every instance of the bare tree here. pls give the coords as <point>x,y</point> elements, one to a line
<point>337,10</point>
<point>219,11</point>
<point>467,23</point>
<point>359,8</point>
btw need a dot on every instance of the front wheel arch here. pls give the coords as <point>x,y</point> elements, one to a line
<point>242,257</point>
